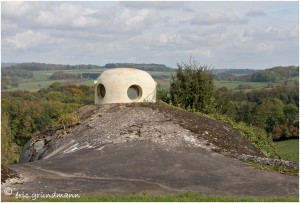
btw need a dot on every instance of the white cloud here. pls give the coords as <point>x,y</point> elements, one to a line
<point>200,52</point>
<point>272,33</point>
<point>159,32</point>
<point>29,39</point>
<point>168,39</point>
<point>222,17</point>
<point>265,47</point>
<point>135,20</point>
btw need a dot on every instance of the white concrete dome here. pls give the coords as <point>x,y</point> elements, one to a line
<point>124,85</point>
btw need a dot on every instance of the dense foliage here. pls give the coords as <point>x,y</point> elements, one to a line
<point>26,113</point>
<point>192,87</point>
<point>274,109</point>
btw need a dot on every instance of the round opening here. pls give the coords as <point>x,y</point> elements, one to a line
<point>134,92</point>
<point>101,90</point>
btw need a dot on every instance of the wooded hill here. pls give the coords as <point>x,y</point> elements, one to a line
<point>44,66</point>
<point>274,74</point>
<point>141,66</point>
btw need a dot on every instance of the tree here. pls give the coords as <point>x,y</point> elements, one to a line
<point>192,87</point>
<point>269,114</point>
<point>291,113</point>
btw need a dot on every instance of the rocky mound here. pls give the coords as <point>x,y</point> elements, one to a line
<point>131,148</point>
<point>121,123</point>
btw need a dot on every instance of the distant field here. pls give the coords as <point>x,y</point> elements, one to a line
<point>41,80</point>
<point>234,84</point>
<point>289,149</point>
<point>33,86</point>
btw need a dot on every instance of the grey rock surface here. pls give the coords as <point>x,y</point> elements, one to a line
<point>130,149</point>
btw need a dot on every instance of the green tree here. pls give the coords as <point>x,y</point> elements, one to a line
<point>192,87</point>
<point>291,113</point>
<point>269,114</point>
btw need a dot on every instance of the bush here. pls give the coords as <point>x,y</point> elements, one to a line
<point>192,87</point>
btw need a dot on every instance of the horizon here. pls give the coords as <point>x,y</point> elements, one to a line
<point>234,35</point>
<point>145,64</point>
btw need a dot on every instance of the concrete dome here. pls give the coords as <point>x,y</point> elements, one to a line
<point>124,85</point>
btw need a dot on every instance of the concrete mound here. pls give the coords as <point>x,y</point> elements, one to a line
<point>132,148</point>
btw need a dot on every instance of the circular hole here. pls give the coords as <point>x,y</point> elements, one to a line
<point>134,92</point>
<point>101,90</point>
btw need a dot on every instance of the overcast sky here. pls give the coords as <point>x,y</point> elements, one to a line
<point>253,34</point>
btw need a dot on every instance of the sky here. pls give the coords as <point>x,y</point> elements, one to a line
<point>235,34</point>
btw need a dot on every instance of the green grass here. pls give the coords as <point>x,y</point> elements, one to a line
<point>41,75</point>
<point>281,169</point>
<point>234,84</point>
<point>183,197</point>
<point>33,86</point>
<point>289,149</point>
<point>89,82</point>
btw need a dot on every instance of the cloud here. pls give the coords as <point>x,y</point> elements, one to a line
<point>168,39</point>
<point>272,33</point>
<point>217,36</point>
<point>211,18</point>
<point>200,52</point>
<point>153,4</point>
<point>29,39</point>
<point>265,47</point>
<point>162,32</point>
<point>71,15</point>
<point>255,13</point>
<point>138,19</point>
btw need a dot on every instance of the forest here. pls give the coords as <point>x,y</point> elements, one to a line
<point>24,114</point>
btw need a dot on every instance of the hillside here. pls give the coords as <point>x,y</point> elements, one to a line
<point>44,66</point>
<point>141,66</point>
<point>275,74</point>
<point>126,148</point>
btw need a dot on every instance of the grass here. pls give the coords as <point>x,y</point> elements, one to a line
<point>33,86</point>
<point>289,149</point>
<point>234,84</point>
<point>183,197</point>
<point>89,82</point>
<point>281,169</point>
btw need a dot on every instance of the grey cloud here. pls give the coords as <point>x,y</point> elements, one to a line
<point>255,13</point>
<point>272,33</point>
<point>222,17</point>
<point>153,4</point>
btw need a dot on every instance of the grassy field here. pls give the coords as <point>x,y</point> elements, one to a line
<point>234,84</point>
<point>41,80</point>
<point>33,86</point>
<point>289,149</point>
<point>184,197</point>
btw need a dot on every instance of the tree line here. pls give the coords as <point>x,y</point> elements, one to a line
<point>142,66</point>
<point>45,66</point>
<point>13,75</point>
<point>61,75</point>
<point>274,74</point>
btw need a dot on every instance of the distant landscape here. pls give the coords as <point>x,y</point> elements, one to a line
<point>34,76</point>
